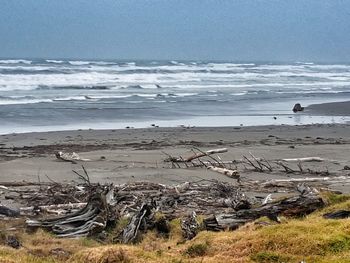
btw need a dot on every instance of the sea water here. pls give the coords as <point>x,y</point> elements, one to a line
<point>43,95</point>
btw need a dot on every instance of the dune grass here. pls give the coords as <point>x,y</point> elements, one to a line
<point>313,239</point>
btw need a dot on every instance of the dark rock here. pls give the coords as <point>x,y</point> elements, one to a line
<point>297,107</point>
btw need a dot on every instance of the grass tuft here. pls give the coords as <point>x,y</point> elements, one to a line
<point>197,250</point>
<point>269,257</point>
<point>338,244</point>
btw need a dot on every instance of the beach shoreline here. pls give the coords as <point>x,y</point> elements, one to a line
<point>130,155</point>
<point>323,113</point>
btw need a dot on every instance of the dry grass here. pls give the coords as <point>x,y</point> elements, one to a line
<point>312,239</point>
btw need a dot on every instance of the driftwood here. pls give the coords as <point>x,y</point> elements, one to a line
<point>304,159</point>
<point>5,185</point>
<point>337,214</point>
<point>224,205</point>
<point>195,156</point>
<point>259,164</point>
<point>202,154</point>
<point>300,205</point>
<point>52,209</point>
<point>69,157</point>
<point>307,179</point>
<point>189,226</point>
<point>130,233</point>
<point>227,172</point>
<point>301,169</point>
<point>171,201</point>
<point>85,222</point>
<point>10,212</point>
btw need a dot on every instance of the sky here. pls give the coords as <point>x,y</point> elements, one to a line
<point>232,30</point>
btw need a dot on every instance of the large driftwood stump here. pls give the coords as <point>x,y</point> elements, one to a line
<point>87,221</point>
<point>131,231</point>
<point>300,205</point>
<point>189,226</point>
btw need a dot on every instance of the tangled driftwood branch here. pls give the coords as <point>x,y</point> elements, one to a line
<point>305,203</point>
<point>195,155</point>
<point>89,220</point>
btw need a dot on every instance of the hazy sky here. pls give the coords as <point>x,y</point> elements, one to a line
<point>240,30</point>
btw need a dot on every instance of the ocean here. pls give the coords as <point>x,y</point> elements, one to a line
<point>44,95</point>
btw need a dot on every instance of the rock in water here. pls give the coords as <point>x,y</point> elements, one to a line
<point>297,107</point>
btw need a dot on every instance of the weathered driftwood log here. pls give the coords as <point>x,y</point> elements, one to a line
<point>11,212</point>
<point>292,206</point>
<point>189,226</point>
<point>52,209</point>
<point>337,214</point>
<point>69,157</point>
<point>87,221</point>
<point>130,233</point>
<point>307,179</point>
<point>304,159</point>
<point>23,183</point>
<point>227,172</point>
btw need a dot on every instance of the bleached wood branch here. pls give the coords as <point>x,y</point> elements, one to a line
<point>304,159</point>
<point>53,209</point>
<point>203,154</point>
<point>228,172</point>
<point>308,179</point>
<point>70,157</point>
<point>195,155</point>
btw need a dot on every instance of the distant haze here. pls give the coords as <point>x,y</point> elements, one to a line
<point>238,30</point>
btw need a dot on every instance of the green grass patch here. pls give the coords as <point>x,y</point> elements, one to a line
<point>338,244</point>
<point>332,198</point>
<point>269,257</point>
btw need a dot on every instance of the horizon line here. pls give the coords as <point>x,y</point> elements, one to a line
<point>177,60</point>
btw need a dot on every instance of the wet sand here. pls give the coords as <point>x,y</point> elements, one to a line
<point>330,109</point>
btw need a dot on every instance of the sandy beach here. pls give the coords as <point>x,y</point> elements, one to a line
<point>130,155</point>
<point>122,156</point>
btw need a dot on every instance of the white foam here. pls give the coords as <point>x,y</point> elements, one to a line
<point>54,61</point>
<point>78,62</point>
<point>71,98</point>
<point>22,101</point>
<point>15,61</point>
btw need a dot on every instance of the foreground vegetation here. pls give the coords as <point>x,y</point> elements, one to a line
<point>312,239</point>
